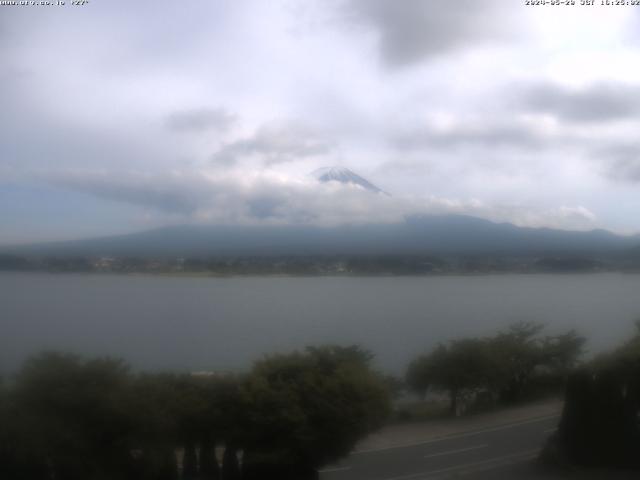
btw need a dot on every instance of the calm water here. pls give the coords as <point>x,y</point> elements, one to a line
<point>210,323</point>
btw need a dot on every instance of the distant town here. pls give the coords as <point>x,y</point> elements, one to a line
<point>329,265</point>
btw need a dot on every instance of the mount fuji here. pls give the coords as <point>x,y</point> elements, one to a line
<point>344,175</point>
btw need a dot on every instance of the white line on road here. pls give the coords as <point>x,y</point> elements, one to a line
<point>484,465</point>
<point>460,450</point>
<point>337,469</point>
<point>457,435</point>
<point>469,467</point>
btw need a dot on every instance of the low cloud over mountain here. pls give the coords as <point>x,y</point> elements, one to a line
<point>216,113</point>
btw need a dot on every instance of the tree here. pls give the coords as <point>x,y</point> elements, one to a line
<point>561,353</point>
<point>501,367</point>
<point>209,468</point>
<point>520,352</point>
<point>230,465</point>
<point>190,462</point>
<point>460,368</point>
<point>517,352</point>
<point>158,403</point>
<point>223,421</point>
<point>307,409</point>
<point>74,416</point>
<point>599,424</point>
<point>223,417</point>
<point>418,377</point>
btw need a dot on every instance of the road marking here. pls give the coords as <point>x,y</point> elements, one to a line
<point>337,469</point>
<point>460,450</point>
<point>486,465</point>
<point>457,435</point>
<point>469,467</point>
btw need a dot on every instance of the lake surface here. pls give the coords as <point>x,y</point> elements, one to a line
<point>225,323</point>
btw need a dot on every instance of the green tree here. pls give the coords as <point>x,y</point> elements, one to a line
<point>517,352</point>
<point>418,376</point>
<point>501,367</point>
<point>19,459</point>
<point>561,353</point>
<point>307,409</point>
<point>230,465</point>
<point>74,415</point>
<point>599,424</point>
<point>460,368</point>
<point>190,462</point>
<point>224,413</point>
<point>157,403</point>
<point>223,421</point>
<point>520,353</point>
<point>209,468</point>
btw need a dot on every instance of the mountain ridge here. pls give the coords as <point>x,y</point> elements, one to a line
<point>345,176</point>
<point>432,234</point>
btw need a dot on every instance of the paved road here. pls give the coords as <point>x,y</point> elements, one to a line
<point>504,451</point>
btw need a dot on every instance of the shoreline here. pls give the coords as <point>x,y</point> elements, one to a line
<point>320,275</point>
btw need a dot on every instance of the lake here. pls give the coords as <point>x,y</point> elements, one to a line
<point>191,323</point>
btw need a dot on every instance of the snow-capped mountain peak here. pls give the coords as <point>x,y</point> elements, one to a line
<point>344,175</point>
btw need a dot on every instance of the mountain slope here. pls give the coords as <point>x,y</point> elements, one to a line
<point>344,175</point>
<point>440,235</point>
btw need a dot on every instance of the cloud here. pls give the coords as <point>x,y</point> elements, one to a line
<point>141,103</point>
<point>484,134</point>
<point>413,30</point>
<point>620,162</point>
<point>513,121</point>
<point>199,120</point>
<point>274,144</point>
<point>564,217</point>
<point>168,193</point>
<point>602,102</point>
<point>232,196</point>
<point>265,197</point>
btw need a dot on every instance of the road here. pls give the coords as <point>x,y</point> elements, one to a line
<point>502,451</point>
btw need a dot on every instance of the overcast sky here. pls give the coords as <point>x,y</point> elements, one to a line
<point>119,116</point>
